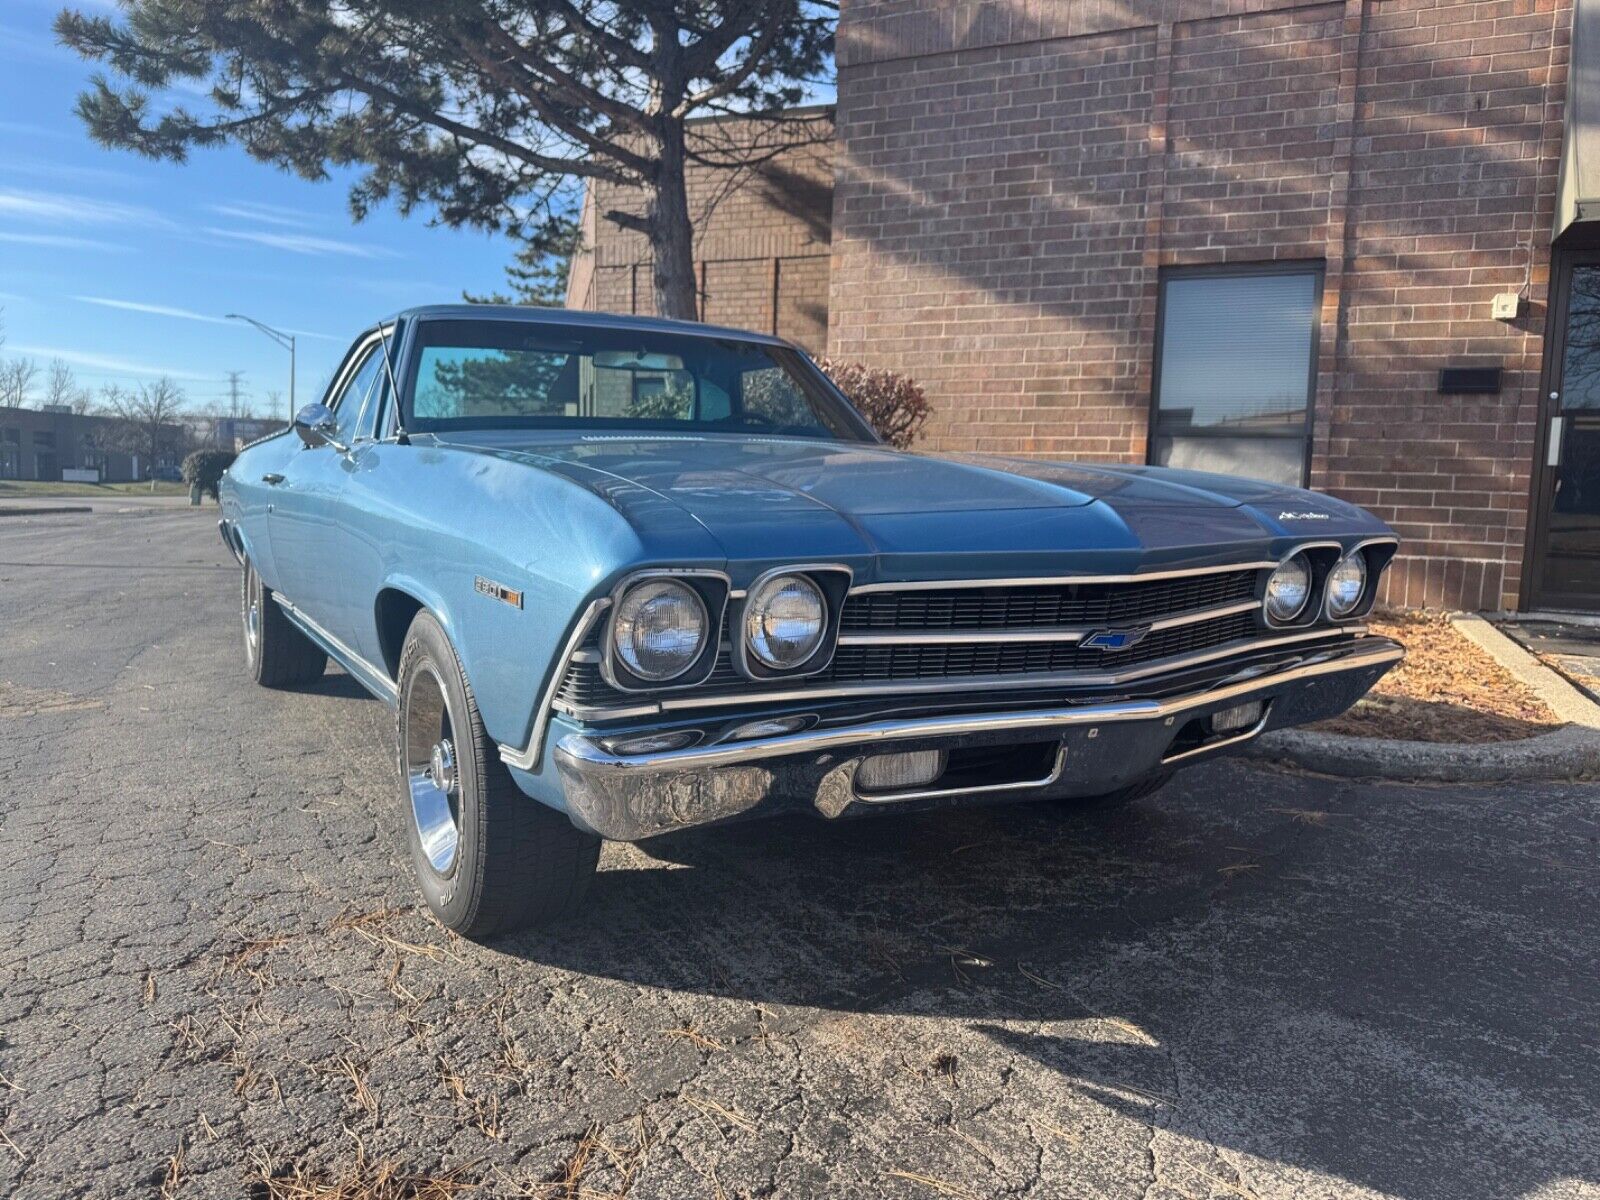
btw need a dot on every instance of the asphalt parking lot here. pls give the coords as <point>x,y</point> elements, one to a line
<point>1253,984</point>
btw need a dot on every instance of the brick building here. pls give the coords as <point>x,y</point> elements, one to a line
<point>761,234</point>
<point>1246,235</point>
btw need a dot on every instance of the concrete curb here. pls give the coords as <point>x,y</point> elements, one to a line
<point>7,510</point>
<point>1566,753</point>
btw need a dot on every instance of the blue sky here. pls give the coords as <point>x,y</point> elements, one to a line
<point>124,267</point>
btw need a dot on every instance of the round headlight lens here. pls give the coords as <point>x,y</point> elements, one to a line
<point>1347,583</point>
<point>1288,589</point>
<point>784,622</point>
<point>659,629</point>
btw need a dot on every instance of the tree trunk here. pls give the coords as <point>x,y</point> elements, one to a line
<point>671,234</point>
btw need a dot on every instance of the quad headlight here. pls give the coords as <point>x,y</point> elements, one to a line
<point>659,629</point>
<point>1288,590</point>
<point>1347,584</point>
<point>785,621</point>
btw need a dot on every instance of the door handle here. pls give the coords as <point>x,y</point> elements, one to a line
<point>1553,458</point>
<point>272,477</point>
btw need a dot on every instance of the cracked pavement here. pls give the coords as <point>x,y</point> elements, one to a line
<point>1253,984</point>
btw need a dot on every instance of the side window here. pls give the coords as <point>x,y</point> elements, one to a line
<point>347,406</point>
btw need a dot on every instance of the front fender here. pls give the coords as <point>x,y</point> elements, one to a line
<point>431,598</point>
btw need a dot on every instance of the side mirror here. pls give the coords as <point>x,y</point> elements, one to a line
<point>316,426</point>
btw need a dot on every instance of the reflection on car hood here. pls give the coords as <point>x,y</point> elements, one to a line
<point>749,490</point>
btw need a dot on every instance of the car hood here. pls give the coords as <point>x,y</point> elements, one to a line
<point>773,497</point>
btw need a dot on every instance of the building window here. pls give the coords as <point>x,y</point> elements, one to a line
<point>10,454</point>
<point>1236,358</point>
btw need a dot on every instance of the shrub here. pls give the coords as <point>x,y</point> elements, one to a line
<point>893,404</point>
<point>205,467</point>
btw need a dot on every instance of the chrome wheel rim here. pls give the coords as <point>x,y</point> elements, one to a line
<point>252,617</point>
<point>433,779</point>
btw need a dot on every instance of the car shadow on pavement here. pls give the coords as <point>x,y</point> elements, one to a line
<point>336,684</point>
<point>1374,992</point>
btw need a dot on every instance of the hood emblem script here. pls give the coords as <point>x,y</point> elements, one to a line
<point>1116,639</point>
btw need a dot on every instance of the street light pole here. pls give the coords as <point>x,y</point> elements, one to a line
<point>286,340</point>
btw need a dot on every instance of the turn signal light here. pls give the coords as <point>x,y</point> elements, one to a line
<point>891,772</point>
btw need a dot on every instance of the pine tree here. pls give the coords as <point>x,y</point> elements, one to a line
<point>486,111</point>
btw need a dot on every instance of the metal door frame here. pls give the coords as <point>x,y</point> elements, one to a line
<point>1562,261</point>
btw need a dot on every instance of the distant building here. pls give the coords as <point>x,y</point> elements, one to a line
<point>233,433</point>
<point>39,444</point>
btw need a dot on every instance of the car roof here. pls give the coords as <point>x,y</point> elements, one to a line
<point>575,318</point>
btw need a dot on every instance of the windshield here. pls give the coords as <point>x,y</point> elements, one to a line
<point>513,375</point>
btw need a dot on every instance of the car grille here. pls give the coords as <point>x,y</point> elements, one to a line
<point>947,610</point>
<point>1043,607</point>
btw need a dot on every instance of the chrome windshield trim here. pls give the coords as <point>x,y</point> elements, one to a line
<point>589,755</point>
<point>528,759</point>
<point>897,637</point>
<point>1018,683</point>
<point>926,585</point>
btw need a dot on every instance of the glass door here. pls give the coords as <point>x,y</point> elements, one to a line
<point>1566,563</point>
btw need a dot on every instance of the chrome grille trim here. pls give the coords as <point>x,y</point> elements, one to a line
<point>916,585</point>
<point>895,637</point>
<point>528,758</point>
<point>1018,683</point>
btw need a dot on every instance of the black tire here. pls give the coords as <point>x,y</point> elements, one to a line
<point>277,653</point>
<point>1119,798</point>
<point>509,862</point>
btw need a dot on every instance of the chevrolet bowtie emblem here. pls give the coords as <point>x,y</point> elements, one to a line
<point>1116,639</point>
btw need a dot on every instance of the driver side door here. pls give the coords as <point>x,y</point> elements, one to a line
<point>305,512</point>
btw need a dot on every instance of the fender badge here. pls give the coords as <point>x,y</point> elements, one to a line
<point>497,591</point>
<point>1115,639</point>
<point>1302,516</point>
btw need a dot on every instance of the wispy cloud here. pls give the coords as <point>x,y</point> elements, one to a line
<point>157,310</point>
<point>18,43</point>
<point>66,208</point>
<point>182,314</point>
<point>107,362</point>
<point>31,129</point>
<point>44,168</point>
<point>301,243</point>
<point>266,214</point>
<point>61,241</point>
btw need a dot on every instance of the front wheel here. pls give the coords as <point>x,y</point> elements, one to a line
<point>488,858</point>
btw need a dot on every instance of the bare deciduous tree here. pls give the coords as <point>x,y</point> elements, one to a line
<point>148,419</point>
<point>16,381</point>
<point>61,388</point>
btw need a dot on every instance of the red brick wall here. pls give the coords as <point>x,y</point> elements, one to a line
<point>1011,178</point>
<point>761,237</point>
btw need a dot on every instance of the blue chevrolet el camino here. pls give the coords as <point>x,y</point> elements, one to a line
<point>621,576</point>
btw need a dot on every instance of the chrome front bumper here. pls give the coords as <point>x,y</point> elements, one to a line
<point>1102,746</point>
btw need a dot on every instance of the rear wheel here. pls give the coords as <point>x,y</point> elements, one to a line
<point>1121,796</point>
<point>488,858</point>
<point>277,653</point>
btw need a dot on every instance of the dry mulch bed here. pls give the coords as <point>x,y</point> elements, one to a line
<point>1446,690</point>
